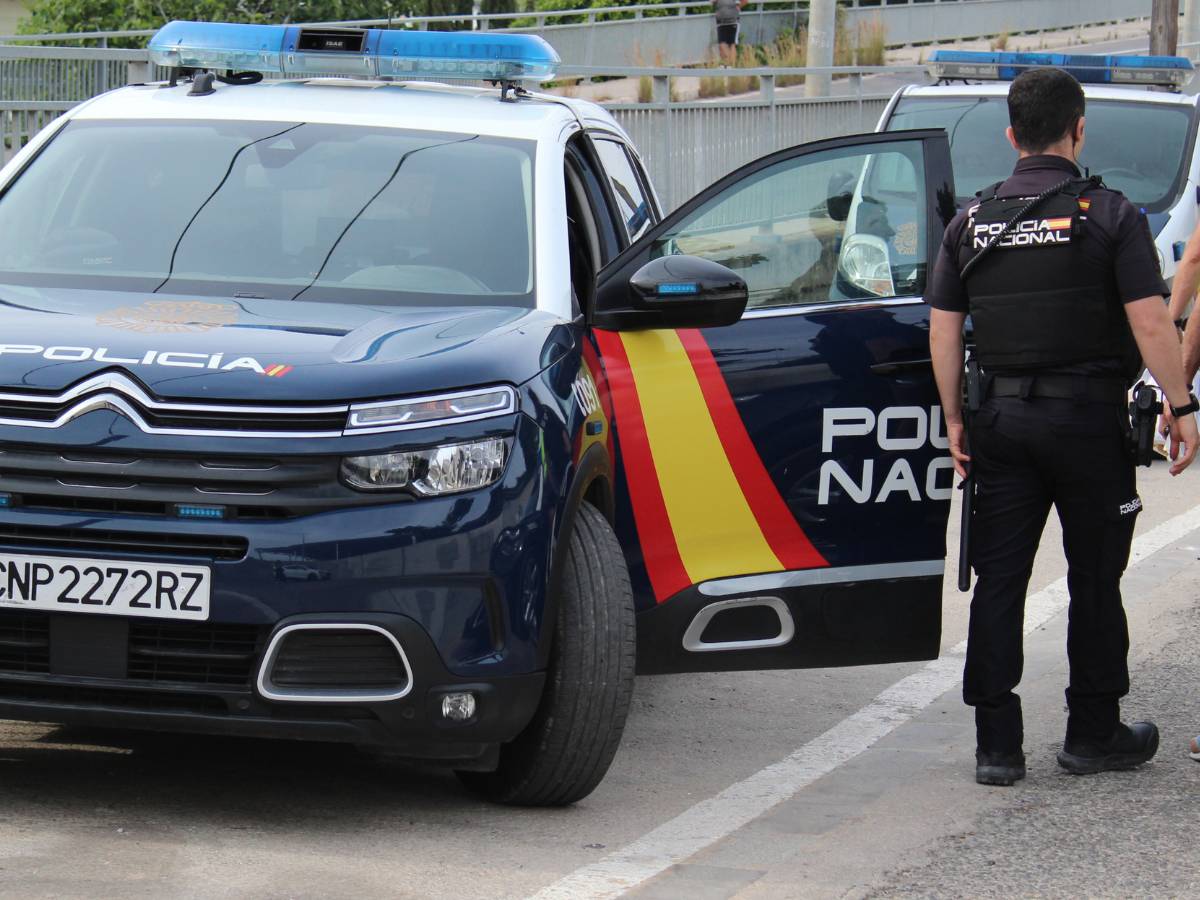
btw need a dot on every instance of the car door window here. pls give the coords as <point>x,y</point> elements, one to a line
<point>847,223</point>
<point>627,189</point>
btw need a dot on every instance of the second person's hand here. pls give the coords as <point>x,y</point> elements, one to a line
<point>1184,440</point>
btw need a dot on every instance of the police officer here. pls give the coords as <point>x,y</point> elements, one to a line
<point>1064,294</point>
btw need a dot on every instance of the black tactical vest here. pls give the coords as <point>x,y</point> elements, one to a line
<point>1035,301</point>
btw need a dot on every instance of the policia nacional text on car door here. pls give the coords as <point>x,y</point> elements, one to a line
<point>784,485</point>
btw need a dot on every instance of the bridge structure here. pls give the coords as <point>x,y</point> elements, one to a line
<point>687,144</point>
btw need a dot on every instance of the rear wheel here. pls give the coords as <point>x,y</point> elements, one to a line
<point>565,751</point>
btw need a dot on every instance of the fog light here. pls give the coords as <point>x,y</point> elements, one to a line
<point>458,707</point>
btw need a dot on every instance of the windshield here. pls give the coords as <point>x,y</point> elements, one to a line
<point>276,210</point>
<point>1139,148</point>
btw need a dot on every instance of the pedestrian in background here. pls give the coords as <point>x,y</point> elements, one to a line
<point>1062,281</point>
<point>728,14</point>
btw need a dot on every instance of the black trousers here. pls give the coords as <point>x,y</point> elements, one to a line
<point>1031,454</point>
<point>727,33</point>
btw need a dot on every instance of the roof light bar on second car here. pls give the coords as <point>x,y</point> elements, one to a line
<point>1160,71</point>
<point>365,53</point>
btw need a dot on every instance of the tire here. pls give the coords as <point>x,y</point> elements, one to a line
<point>565,751</point>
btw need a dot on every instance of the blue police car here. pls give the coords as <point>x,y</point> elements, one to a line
<point>340,406</point>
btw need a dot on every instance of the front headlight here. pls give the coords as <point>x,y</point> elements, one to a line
<point>423,412</point>
<point>449,469</point>
<point>865,264</point>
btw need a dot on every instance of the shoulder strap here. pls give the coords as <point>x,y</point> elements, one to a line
<point>1077,186</point>
<point>989,192</point>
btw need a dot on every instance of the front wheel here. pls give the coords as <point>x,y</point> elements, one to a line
<point>567,748</point>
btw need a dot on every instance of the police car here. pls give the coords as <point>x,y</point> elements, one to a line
<point>1141,141</point>
<point>390,412</point>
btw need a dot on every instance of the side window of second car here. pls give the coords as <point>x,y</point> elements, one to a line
<point>631,198</point>
<point>843,224</point>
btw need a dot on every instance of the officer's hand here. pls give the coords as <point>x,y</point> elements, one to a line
<point>1183,431</point>
<point>957,436</point>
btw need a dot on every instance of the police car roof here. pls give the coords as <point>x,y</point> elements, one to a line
<point>1090,91</point>
<point>423,106</point>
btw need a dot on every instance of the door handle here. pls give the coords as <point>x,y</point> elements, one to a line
<point>901,366</point>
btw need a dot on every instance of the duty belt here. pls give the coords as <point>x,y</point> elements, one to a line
<point>1080,388</point>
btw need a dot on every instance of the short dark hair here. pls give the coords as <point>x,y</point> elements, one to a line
<point>1043,107</point>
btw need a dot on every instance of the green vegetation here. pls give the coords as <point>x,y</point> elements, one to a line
<point>121,15</point>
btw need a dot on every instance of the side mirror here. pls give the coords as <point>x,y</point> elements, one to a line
<point>674,292</point>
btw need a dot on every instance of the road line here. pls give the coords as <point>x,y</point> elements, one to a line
<point>719,816</point>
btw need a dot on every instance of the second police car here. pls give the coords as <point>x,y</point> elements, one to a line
<point>395,413</point>
<point>1141,130</point>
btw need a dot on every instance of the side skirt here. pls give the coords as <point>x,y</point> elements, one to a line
<point>773,622</point>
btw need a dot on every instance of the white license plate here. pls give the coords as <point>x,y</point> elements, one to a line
<point>116,587</point>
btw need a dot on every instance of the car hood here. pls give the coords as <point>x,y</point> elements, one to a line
<point>266,350</point>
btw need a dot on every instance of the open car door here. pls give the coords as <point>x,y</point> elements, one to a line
<point>784,482</point>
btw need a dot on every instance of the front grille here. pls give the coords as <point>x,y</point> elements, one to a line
<point>116,481</point>
<point>344,660</point>
<point>193,653</point>
<point>101,540</point>
<point>24,642</point>
<point>116,391</point>
<point>198,654</point>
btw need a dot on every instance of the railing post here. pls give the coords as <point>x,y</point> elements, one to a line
<point>102,69</point>
<point>660,96</point>
<point>766,86</point>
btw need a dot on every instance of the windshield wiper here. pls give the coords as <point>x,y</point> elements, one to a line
<point>228,171</point>
<point>358,215</point>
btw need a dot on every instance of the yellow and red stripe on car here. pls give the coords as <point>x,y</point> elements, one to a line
<point>703,502</point>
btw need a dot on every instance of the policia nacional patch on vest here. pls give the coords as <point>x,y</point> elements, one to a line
<point>1039,303</point>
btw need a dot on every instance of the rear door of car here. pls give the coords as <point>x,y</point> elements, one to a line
<point>783,483</point>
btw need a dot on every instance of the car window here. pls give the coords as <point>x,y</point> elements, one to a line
<point>814,229</point>
<point>277,210</point>
<point>1117,143</point>
<point>631,199</point>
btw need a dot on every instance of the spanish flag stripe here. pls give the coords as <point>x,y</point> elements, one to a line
<point>715,528</point>
<point>274,370</point>
<point>659,549</point>
<point>787,540</point>
<point>1056,224</point>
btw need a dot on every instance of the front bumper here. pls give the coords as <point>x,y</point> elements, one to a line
<point>459,581</point>
<point>411,726</point>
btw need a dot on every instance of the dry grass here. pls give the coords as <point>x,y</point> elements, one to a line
<point>646,83</point>
<point>788,52</point>
<point>1000,41</point>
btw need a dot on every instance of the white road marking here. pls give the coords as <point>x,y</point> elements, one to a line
<point>717,817</point>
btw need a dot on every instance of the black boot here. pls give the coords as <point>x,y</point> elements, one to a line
<point>1003,769</point>
<point>1127,748</point>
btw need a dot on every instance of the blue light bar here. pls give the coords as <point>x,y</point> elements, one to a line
<point>6,500</point>
<point>369,53</point>
<point>1162,71</point>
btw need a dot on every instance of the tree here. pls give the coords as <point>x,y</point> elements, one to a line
<point>46,16</point>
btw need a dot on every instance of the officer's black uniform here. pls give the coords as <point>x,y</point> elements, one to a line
<point>1053,339</point>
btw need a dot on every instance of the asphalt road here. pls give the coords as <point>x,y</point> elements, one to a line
<point>871,791</point>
